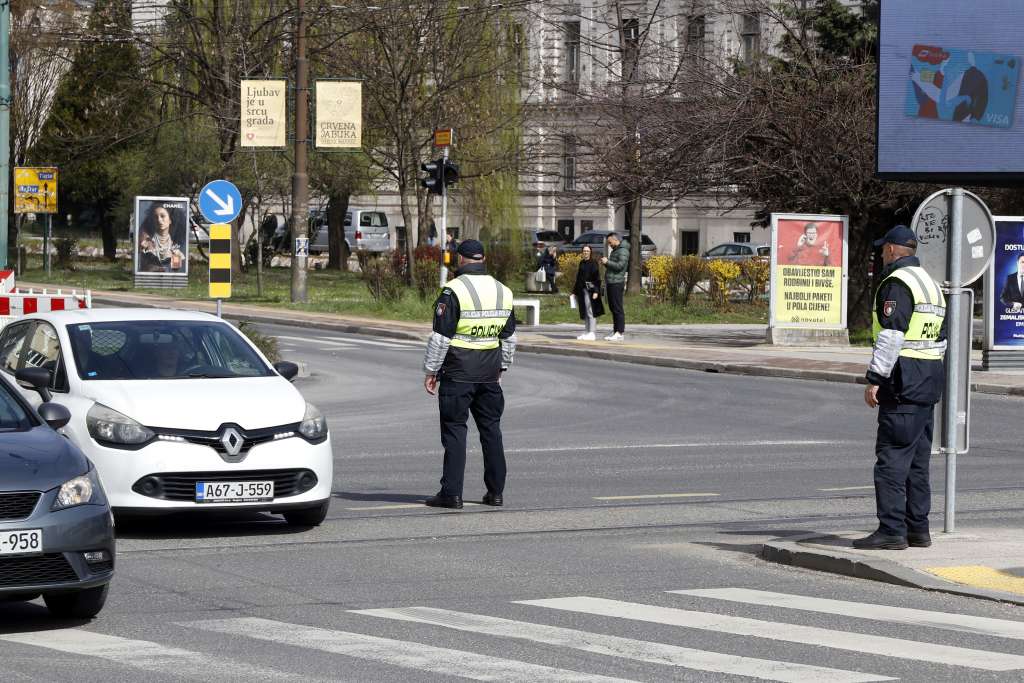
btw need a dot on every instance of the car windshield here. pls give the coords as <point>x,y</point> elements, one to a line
<point>162,349</point>
<point>13,416</point>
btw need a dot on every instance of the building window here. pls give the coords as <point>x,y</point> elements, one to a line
<point>586,225</point>
<point>750,37</point>
<point>630,48</point>
<point>689,242</point>
<point>566,228</point>
<point>571,31</point>
<point>743,237</point>
<point>569,163</point>
<point>695,32</point>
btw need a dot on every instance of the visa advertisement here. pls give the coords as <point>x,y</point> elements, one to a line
<point>808,277</point>
<point>950,98</point>
<point>1005,286</point>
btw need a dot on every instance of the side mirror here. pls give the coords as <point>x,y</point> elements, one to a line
<point>37,379</point>
<point>287,369</point>
<point>54,414</point>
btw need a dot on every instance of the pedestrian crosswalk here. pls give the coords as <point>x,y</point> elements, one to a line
<point>323,343</point>
<point>665,640</point>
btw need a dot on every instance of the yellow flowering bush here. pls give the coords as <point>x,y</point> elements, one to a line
<point>724,275</point>
<point>754,275</point>
<point>673,278</point>
<point>568,265</point>
<point>659,269</point>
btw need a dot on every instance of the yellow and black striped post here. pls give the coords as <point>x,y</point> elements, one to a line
<point>220,262</point>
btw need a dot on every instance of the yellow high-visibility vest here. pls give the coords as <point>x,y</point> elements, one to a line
<point>484,308</point>
<point>921,339</point>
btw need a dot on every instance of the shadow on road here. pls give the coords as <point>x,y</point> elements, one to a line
<point>23,617</point>
<point>381,497</point>
<point>208,524</point>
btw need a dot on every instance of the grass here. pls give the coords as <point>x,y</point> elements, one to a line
<point>345,293</point>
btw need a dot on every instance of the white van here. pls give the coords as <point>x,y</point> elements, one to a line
<point>365,230</point>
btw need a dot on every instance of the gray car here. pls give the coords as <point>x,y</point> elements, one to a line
<point>595,239</point>
<point>56,530</point>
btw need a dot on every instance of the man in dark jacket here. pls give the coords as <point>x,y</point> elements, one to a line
<point>616,266</point>
<point>473,343</point>
<point>905,381</point>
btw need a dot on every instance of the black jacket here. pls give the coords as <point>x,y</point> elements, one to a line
<point>550,265</point>
<point>913,381</point>
<point>588,281</point>
<point>1011,291</point>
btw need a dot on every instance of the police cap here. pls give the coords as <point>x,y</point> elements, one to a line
<point>901,236</point>
<point>471,249</point>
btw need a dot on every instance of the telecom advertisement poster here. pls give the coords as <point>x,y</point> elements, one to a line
<point>1004,290</point>
<point>161,235</point>
<point>808,275</point>
<point>950,99</point>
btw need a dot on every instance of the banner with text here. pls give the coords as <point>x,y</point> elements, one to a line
<point>339,114</point>
<point>808,278</point>
<point>1005,286</point>
<point>264,113</point>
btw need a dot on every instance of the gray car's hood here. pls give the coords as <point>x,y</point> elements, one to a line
<point>38,460</point>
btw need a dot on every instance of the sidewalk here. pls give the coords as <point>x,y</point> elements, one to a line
<point>982,562</point>
<point>732,349</point>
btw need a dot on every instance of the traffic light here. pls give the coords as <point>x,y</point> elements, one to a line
<point>435,176</point>
<point>451,173</point>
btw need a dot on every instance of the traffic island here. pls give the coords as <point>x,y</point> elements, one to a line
<point>980,563</point>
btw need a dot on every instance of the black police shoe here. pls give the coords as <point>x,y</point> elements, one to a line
<point>919,540</point>
<point>880,541</point>
<point>439,501</point>
<point>493,499</point>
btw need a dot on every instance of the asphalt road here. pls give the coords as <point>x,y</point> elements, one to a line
<point>625,482</point>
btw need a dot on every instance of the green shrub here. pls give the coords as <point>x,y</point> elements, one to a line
<point>67,253</point>
<point>385,285</point>
<point>426,276</point>
<point>265,343</point>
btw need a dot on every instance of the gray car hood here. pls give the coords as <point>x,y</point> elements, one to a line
<point>38,460</point>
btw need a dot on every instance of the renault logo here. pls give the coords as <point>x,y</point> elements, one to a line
<point>232,440</point>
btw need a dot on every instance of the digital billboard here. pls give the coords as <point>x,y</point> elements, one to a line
<point>949,94</point>
<point>1004,287</point>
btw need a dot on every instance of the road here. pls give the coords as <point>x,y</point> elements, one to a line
<point>625,483</point>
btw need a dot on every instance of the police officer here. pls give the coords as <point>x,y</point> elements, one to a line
<point>472,345</point>
<point>905,381</point>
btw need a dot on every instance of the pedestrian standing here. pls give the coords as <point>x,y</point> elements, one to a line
<point>587,290</point>
<point>473,343</point>
<point>905,381</point>
<point>549,263</point>
<point>616,265</point>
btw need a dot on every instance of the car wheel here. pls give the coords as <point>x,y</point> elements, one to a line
<point>84,604</point>
<point>311,516</point>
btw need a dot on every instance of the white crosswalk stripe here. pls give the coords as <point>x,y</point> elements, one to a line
<point>149,656</point>
<point>794,633</point>
<point>353,342</point>
<point>1001,628</point>
<point>628,648</point>
<point>401,653</point>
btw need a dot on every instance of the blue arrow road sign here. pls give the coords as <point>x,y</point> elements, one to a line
<point>220,201</point>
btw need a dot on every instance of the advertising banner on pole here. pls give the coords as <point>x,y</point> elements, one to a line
<point>339,114</point>
<point>1004,296</point>
<point>161,235</point>
<point>35,190</point>
<point>809,271</point>
<point>264,113</point>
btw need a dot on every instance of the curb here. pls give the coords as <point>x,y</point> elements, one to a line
<point>792,553</point>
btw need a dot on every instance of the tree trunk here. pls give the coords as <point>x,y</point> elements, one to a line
<point>635,207</point>
<point>109,236</point>
<point>337,206</point>
<point>407,218</point>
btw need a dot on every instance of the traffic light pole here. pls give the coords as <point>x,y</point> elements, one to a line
<point>444,219</point>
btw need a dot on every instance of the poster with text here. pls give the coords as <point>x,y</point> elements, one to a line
<point>264,110</point>
<point>808,279</point>
<point>339,114</point>
<point>161,235</point>
<point>1005,290</point>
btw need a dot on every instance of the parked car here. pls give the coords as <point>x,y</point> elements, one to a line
<point>548,238</point>
<point>178,411</point>
<point>56,530</point>
<point>595,239</point>
<point>738,251</point>
<point>365,230</point>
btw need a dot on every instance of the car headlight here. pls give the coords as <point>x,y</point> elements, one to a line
<point>77,491</point>
<point>314,424</point>
<point>111,427</point>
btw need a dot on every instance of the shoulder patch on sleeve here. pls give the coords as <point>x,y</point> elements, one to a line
<point>888,308</point>
<point>441,309</point>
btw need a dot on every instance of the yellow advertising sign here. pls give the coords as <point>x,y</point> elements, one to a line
<point>808,287</point>
<point>339,114</point>
<point>263,111</point>
<point>35,190</point>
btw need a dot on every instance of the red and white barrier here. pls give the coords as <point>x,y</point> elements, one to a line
<point>15,303</point>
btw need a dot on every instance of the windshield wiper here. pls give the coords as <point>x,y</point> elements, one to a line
<point>208,375</point>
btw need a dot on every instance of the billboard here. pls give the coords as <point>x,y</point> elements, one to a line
<point>263,120</point>
<point>808,272</point>
<point>161,235</point>
<point>35,190</point>
<point>1004,287</point>
<point>949,94</point>
<point>339,114</point>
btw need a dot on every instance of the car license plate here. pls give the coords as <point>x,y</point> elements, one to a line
<point>234,491</point>
<point>25,542</point>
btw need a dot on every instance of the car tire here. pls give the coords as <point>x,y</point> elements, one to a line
<point>311,516</point>
<point>83,604</point>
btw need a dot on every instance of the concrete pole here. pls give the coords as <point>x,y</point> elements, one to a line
<point>300,178</point>
<point>5,125</point>
<point>444,218</point>
<point>951,400</point>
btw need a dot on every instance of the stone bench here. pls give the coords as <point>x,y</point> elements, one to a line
<point>532,307</point>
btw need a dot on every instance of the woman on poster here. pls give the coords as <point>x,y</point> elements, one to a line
<point>160,241</point>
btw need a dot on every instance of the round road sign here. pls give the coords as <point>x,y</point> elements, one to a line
<point>931,224</point>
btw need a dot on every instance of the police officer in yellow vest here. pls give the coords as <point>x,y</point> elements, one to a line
<point>473,343</point>
<point>905,381</point>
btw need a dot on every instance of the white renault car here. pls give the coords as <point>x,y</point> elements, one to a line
<point>177,410</point>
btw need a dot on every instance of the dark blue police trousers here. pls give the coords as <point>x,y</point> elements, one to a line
<point>903,495</point>
<point>487,403</point>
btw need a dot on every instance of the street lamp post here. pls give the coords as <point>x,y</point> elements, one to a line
<point>300,178</point>
<point>5,125</point>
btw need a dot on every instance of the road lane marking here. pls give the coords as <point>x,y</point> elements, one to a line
<point>850,488</point>
<point>682,444</point>
<point>981,577</point>
<point>352,342</point>
<point>403,653</point>
<point>793,633</point>
<point>648,496</point>
<point>627,648</point>
<point>149,656</point>
<point>402,506</point>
